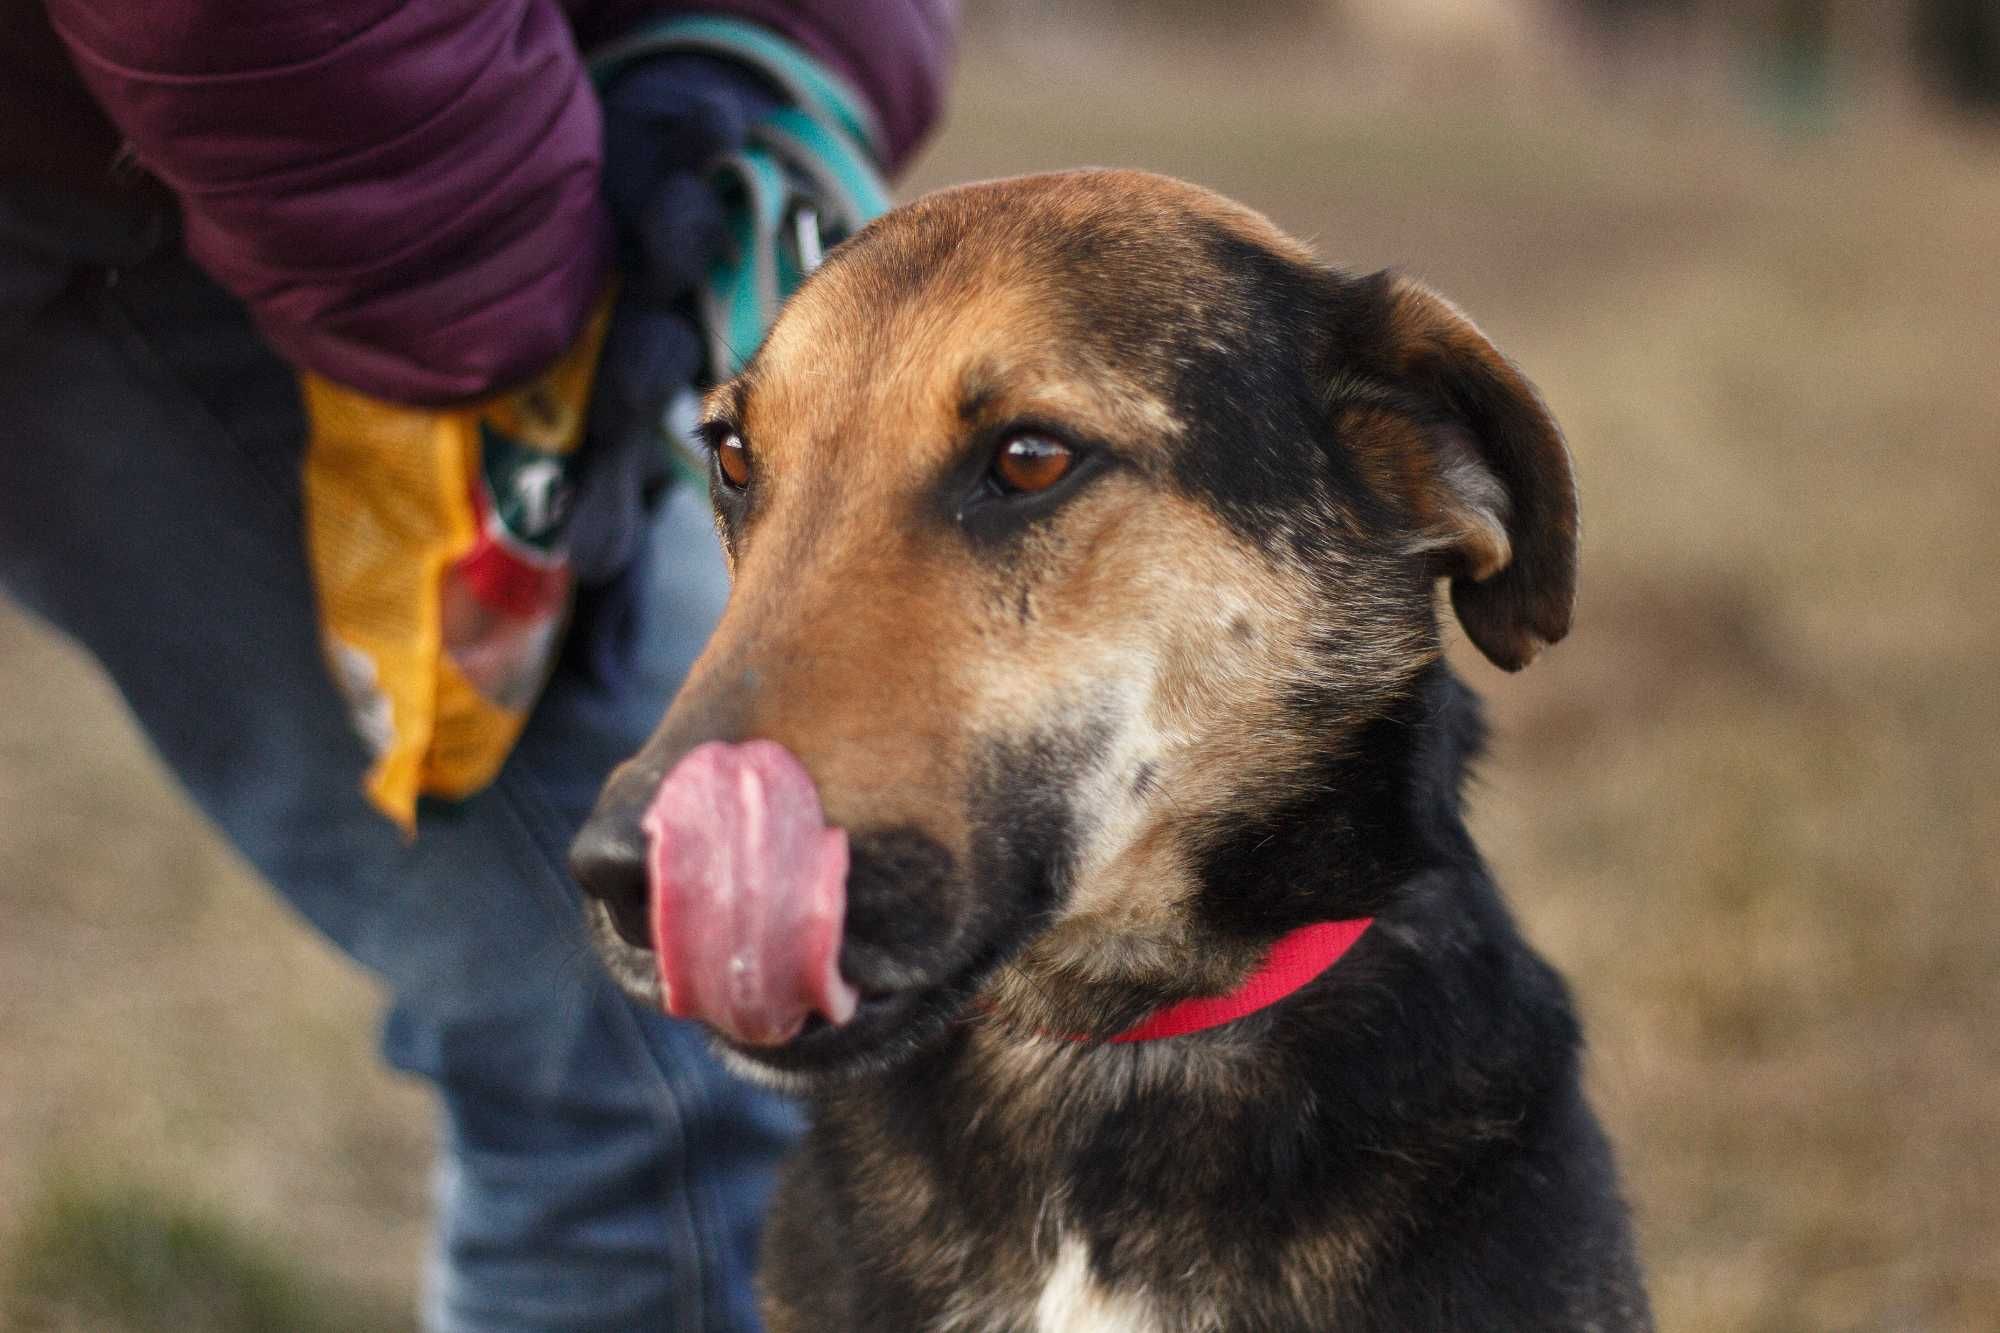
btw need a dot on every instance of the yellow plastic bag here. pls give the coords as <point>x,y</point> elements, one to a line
<point>436,539</point>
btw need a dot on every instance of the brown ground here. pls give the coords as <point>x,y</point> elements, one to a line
<point>1752,808</point>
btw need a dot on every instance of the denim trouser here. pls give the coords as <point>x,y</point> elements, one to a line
<point>600,1170</point>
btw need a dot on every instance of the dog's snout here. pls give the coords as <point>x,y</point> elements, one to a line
<point>608,859</point>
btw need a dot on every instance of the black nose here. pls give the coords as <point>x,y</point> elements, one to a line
<point>608,859</point>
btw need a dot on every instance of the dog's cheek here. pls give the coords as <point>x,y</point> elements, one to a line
<point>1177,645</point>
<point>909,909</point>
<point>1236,652</point>
<point>1023,824</point>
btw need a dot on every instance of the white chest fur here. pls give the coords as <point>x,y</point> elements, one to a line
<point>1072,1301</point>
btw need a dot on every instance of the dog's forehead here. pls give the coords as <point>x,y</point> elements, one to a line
<point>1060,294</point>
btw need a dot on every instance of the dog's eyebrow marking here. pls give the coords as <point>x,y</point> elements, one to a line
<point>975,395</point>
<point>727,402</point>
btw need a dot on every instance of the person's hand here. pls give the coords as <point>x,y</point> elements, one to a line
<point>667,122</point>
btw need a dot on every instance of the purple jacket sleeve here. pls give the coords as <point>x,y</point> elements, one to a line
<point>406,194</point>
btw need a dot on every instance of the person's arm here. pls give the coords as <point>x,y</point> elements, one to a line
<point>405,195</point>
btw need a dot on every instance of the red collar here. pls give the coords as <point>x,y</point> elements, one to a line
<point>1297,958</point>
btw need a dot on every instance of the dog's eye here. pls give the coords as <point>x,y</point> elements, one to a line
<point>1030,463</point>
<point>733,460</point>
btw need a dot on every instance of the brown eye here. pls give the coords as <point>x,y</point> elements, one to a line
<point>734,460</point>
<point>1030,463</point>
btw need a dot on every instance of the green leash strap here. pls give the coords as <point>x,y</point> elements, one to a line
<point>805,180</point>
<point>801,78</point>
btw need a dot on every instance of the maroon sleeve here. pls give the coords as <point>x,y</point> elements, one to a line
<point>405,194</point>
<point>896,53</point>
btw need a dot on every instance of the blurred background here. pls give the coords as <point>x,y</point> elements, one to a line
<point>1751,253</point>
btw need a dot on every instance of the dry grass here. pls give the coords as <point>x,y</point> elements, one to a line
<point>1752,807</point>
<point>115,1259</point>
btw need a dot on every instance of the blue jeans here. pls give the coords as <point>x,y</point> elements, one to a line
<point>600,1170</point>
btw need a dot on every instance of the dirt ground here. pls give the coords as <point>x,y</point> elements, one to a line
<point>1751,808</point>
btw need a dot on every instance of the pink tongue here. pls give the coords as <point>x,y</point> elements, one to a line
<point>749,892</point>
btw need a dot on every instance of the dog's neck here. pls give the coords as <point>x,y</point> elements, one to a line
<point>1435,1047</point>
<point>1328,1105</point>
<point>1380,808</point>
<point>1298,958</point>
<point>1377,810</point>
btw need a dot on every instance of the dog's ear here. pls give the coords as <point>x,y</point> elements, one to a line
<point>1484,466</point>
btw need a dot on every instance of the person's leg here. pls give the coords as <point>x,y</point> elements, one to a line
<point>601,1171</point>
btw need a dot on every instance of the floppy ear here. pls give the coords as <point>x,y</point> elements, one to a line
<point>1493,484</point>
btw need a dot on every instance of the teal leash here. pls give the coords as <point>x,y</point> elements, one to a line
<point>806,178</point>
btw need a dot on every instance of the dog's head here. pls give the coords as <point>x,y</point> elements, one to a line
<point>1078,523</point>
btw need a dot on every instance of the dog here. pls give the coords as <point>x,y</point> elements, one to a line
<point>1079,732</point>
